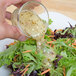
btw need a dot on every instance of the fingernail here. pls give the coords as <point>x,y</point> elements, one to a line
<point>22,38</point>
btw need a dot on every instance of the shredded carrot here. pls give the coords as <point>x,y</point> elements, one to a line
<point>74,47</point>
<point>53,39</point>
<point>12,43</point>
<point>50,42</point>
<point>27,51</point>
<point>74,44</point>
<point>35,52</point>
<point>75,41</point>
<point>27,65</point>
<point>64,71</point>
<point>24,72</point>
<point>53,46</point>
<point>15,58</point>
<point>25,68</point>
<point>45,71</point>
<point>67,40</point>
<point>51,31</point>
<point>59,30</point>
<point>51,36</point>
<point>69,45</point>
<point>43,36</point>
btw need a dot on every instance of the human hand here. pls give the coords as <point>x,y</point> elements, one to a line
<point>6,30</point>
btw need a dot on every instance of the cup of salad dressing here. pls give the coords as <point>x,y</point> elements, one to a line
<point>29,20</point>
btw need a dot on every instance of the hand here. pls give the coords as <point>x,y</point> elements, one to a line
<point>6,30</point>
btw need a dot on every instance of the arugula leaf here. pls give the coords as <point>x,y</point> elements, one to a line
<point>50,21</point>
<point>27,57</point>
<point>56,72</point>
<point>35,60</point>
<point>48,32</point>
<point>69,53</point>
<point>73,31</point>
<point>47,38</point>
<point>39,58</point>
<point>7,56</point>
<point>70,71</point>
<point>16,65</point>
<point>32,68</point>
<point>29,47</point>
<point>30,41</point>
<point>64,54</point>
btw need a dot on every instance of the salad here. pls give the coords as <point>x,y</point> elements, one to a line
<point>23,59</point>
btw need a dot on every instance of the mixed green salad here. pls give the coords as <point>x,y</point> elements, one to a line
<point>23,59</point>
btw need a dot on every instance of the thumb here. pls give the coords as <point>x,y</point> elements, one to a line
<point>14,33</point>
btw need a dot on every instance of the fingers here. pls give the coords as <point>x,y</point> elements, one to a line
<point>8,31</point>
<point>8,15</point>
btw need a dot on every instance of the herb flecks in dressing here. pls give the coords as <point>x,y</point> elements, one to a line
<point>32,25</point>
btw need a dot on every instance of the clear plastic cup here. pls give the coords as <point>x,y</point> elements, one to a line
<point>35,6</point>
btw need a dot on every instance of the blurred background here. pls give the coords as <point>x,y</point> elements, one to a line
<point>66,7</point>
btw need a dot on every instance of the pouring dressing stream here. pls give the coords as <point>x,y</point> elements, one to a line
<point>33,26</point>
